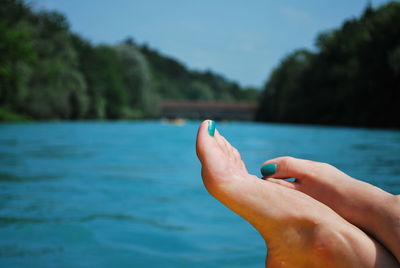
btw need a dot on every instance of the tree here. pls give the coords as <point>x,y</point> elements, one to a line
<point>137,79</point>
<point>56,88</point>
<point>16,53</point>
<point>351,79</point>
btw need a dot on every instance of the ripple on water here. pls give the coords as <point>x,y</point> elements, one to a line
<point>6,221</point>
<point>129,194</point>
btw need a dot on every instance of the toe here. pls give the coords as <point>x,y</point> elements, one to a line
<point>289,167</point>
<point>212,153</point>
<point>303,170</point>
<point>288,184</point>
<point>221,163</point>
<point>205,143</point>
<point>221,142</point>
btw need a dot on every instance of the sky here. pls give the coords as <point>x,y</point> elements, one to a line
<point>241,40</point>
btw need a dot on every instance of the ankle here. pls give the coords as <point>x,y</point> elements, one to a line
<point>385,223</point>
<point>382,209</point>
<point>370,206</point>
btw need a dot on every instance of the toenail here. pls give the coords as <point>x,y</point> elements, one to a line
<point>211,127</point>
<point>268,169</point>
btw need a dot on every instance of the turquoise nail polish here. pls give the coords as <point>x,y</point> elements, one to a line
<point>268,169</point>
<point>211,127</point>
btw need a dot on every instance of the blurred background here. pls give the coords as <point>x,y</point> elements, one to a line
<point>100,103</point>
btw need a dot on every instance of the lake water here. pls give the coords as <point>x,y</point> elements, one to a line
<point>129,194</point>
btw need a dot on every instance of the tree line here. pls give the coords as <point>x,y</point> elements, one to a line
<point>353,77</point>
<point>47,72</point>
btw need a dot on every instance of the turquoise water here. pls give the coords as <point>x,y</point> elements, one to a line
<point>129,194</point>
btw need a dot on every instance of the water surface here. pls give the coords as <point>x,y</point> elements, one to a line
<point>129,194</point>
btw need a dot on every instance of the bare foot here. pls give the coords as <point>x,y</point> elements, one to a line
<point>299,231</point>
<point>362,204</point>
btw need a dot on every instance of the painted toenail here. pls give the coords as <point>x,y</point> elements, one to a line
<point>268,169</point>
<point>211,127</point>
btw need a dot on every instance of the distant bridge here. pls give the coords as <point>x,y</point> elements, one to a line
<point>243,111</point>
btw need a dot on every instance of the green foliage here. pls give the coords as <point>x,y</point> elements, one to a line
<point>16,52</point>
<point>46,72</point>
<point>200,91</point>
<point>108,82</point>
<point>284,89</point>
<point>352,79</point>
<point>171,80</point>
<point>56,88</point>
<point>248,94</point>
<point>137,80</point>
<point>7,115</point>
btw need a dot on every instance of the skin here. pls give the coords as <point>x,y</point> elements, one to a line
<point>299,231</point>
<point>352,199</point>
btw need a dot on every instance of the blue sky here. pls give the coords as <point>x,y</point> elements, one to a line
<point>242,40</point>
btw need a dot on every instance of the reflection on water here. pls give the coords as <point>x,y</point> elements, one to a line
<point>112,217</point>
<point>123,194</point>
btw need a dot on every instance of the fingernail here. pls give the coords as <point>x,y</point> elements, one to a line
<point>211,127</point>
<point>268,169</point>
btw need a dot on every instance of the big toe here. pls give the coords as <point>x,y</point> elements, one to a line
<point>221,162</point>
<point>206,143</point>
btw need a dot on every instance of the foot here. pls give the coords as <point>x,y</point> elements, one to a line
<point>299,231</point>
<point>364,205</point>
